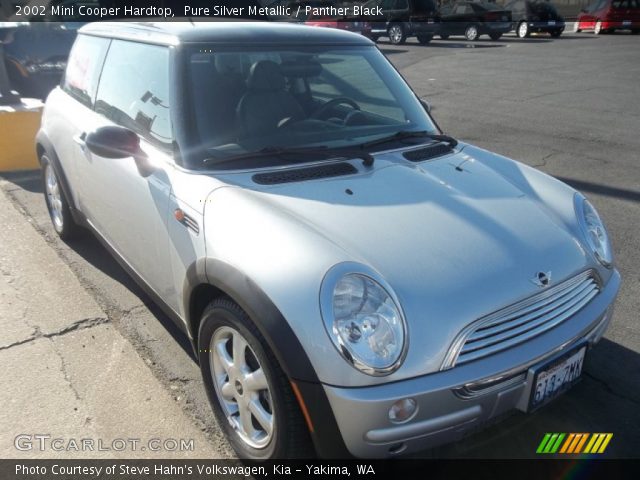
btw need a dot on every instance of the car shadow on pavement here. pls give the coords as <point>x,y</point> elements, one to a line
<point>89,248</point>
<point>29,180</point>
<point>448,44</point>
<point>93,252</point>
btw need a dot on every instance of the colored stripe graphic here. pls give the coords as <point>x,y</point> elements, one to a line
<point>543,442</point>
<point>606,441</point>
<point>573,443</point>
<point>581,442</point>
<point>567,443</point>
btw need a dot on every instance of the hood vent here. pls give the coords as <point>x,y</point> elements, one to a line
<point>302,174</point>
<point>431,151</point>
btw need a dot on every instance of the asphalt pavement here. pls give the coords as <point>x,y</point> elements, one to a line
<point>568,106</point>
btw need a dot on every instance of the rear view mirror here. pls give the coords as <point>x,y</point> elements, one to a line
<point>113,142</point>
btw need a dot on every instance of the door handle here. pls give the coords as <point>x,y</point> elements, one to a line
<point>80,140</point>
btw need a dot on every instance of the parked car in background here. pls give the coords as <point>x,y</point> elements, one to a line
<point>604,16</point>
<point>341,23</point>
<point>473,19</point>
<point>37,56</point>
<point>401,19</point>
<point>535,16</point>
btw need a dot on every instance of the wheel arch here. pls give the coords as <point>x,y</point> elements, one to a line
<point>43,145</point>
<point>209,279</point>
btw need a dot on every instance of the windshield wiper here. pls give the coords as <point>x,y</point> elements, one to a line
<point>405,134</point>
<point>322,151</point>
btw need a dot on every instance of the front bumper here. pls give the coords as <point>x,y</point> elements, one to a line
<point>455,401</point>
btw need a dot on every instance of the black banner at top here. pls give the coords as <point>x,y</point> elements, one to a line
<point>193,10</point>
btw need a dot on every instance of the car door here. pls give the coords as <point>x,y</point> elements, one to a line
<point>74,109</point>
<point>127,204</point>
<point>458,18</point>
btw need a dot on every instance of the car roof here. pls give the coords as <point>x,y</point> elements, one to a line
<point>224,32</point>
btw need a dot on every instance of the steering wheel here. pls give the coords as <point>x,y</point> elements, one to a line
<point>326,107</point>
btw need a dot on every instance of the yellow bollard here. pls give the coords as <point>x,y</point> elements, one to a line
<point>19,124</point>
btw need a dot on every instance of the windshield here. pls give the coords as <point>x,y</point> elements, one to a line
<point>252,100</point>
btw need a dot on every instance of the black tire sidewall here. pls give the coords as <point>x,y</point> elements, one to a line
<point>226,313</point>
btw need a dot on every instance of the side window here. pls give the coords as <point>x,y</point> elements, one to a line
<point>83,68</point>
<point>461,9</point>
<point>134,90</point>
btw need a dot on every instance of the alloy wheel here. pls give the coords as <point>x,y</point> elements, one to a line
<point>242,387</point>
<point>54,198</point>
<point>395,34</point>
<point>523,30</point>
<point>471,32</point>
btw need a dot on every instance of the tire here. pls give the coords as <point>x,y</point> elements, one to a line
<point>495,36</point>
<point>424,39</point>
<point>523,30</point>
<point>555,34</point>
<point>57,204</point>
<point>598,28</point>
<point>282,432</point>
<point>444,37</point>
<point>471,33</point>
<point>397,35</point>
<point>635,31</point>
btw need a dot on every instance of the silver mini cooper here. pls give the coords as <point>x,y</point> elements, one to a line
<point>352,279</point>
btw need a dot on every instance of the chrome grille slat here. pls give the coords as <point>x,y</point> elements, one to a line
<point>516,321</point>
<point>532,301</point>
<point>476,345</point>
<point>523,320</point>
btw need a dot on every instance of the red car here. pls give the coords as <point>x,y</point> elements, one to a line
<point>604,16</point>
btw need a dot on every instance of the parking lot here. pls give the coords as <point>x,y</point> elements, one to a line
<point>568,106</point>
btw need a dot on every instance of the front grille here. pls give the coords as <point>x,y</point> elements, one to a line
<point>522,321</point>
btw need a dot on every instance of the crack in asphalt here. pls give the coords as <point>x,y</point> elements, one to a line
<point>79,325</point>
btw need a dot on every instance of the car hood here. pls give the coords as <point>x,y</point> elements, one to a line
<point>455,244</point>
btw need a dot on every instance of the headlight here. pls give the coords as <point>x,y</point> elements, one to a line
<point>594,231</point>
<point>363,320</point>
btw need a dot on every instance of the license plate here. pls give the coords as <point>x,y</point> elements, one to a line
<point>555,377</point>
<point>626,23</point>
<point>552,22</point>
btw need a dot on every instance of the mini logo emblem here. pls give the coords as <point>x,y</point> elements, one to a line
<point>542,279</point>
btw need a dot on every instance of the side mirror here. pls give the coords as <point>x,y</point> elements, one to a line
<point>114,142</point>
<point>426,105</point>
